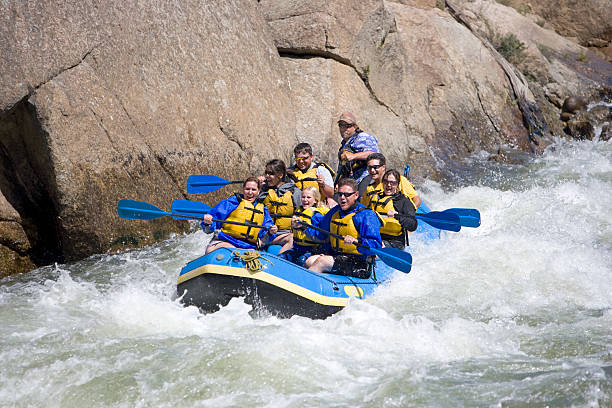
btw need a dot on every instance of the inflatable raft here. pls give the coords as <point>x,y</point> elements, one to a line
<point>274,285</point>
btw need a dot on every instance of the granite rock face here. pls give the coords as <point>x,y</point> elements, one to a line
<point>126,100</point>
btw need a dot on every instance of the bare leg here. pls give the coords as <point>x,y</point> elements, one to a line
<point>217,245</point>
<point>286,240</point>
<point>323,263</point>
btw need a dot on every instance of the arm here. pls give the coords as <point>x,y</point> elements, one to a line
<point>220,212</point>
<point>368,225</point>
<point>325,181</point>
<point>405,213</point>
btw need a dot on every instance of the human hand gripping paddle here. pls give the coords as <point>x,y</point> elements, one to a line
<point>393,257</point>
<point>181,210</point>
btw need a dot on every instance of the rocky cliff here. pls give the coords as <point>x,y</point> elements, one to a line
<point>127,99</point>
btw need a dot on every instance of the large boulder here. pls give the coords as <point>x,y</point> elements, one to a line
<point>99,103</point>
<point>417,79</point>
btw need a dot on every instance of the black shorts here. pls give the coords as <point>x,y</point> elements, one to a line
<point>351,265</point>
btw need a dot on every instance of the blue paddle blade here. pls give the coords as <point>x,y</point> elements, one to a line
<point>468,217</point>
<point>395,258</point>
<point>442,220</point>
<point>189,208</point>
<point>204,183</point>
<point>138,210</point>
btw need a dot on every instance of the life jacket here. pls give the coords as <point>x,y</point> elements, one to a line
<point>308,178</point>
<point>405,187</point>
<point>280,208</point>
<point>246,212</point>
<point>382,205</point>
<point>299,235</point>
<point>344,226</point>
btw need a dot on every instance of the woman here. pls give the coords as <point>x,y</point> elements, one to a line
<point>243,208</point>
<point>396,210</point>
<point>281,196</point>
<point>311,212</point>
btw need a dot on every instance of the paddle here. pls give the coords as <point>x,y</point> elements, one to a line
<point>203,183</point>
<point>138,210</point>
<point>189,208</point>
<point>468,217</point>
<point>442,220</point>
<point>395,258</point>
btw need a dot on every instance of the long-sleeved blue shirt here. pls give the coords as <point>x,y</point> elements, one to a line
<point>222,210</point>
<point>366,222</point>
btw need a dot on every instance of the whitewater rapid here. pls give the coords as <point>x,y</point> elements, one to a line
<point>517,313</point>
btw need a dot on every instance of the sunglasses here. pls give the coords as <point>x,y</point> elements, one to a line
<point>269,173</point>
<point>344,125</point>
<point>390,182</point>
<point>302,158</point>
<point>346,195</point>
<point>375,166</point>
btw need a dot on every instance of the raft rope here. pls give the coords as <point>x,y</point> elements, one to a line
<point>251,260</point>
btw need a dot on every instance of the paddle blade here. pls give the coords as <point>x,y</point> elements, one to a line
<point>442,220</point>
<point>395,258</point>
<point>468,217</point>
<point>203,183</point>
<point>190,209</point>
<point>138,210</point>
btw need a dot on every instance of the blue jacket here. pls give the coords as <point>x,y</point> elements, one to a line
<point>222,210</point>
<point>366,222</point>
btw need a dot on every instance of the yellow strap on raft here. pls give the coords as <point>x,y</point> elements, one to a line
<point>251,260</point>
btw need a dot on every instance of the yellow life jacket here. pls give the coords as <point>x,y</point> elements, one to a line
<point>343,226</point>
<point>299,235</point>
<point>280,208</point>
<point>245,212</point>
<point>305,179</point>
<point>308,178</point>
<point>382,205</point>
<point>405,187</point>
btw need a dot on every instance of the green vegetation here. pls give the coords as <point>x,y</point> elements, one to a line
<point>510,47</point>
<point>441,4</point>
<point>541,22</point>
<point>582,57</point>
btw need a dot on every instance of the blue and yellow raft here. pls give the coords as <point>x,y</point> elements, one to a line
<point>274,285</point>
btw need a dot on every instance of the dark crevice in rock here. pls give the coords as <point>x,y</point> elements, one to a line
<point>484,110</point>
<point>306,53</point>
<point>27,181</point>
<point>162,163</point>
<point>31,90</point>
<point>161,160</point>
<point>311,53</point>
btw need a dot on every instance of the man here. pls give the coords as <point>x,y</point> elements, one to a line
<point>308,173</point>
<point>371,185</point>
<point>357,224</point>
<point>355,148</point>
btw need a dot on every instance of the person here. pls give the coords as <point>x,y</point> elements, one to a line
<point>377,166</point>
<point>356,224</point>
<point>244,208</point>
<point>355,148</point>
<point>281,196</point>
<point>311,212</point>
<point>397,211</point>
<point>308,173</point>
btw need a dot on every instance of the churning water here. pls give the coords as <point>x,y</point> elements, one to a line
<point>516,313</point>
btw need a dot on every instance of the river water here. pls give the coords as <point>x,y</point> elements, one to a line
<point>516,313</point>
